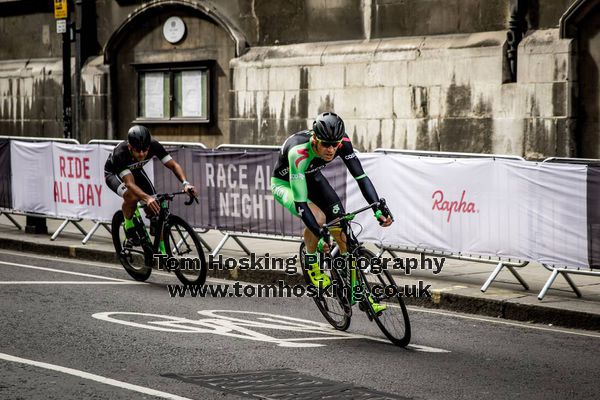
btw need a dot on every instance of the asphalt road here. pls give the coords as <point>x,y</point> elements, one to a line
<point>75,330</point>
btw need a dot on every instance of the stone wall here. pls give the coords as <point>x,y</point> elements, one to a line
<point>442,93</point>
<point>30,98</point>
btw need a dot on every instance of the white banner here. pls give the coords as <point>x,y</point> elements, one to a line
<point>63,180</point>
<point>32,177</point>
<point>509,209</point>
<point>77,186</point>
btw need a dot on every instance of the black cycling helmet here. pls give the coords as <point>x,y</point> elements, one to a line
<point>329,127</point>
<point>139,137</point>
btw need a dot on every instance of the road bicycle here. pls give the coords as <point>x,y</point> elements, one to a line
<point>353,284</point>
<point>180,242</point>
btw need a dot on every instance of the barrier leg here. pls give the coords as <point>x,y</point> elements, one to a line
<point>220,245</point>
<point>79,227</point>
<point>11,219</point>
<point>60,229</point>
<point>238,241</point>
<point>571,283</point>
<point>516,275</point>
<point>92,231</point>
<point>206,245</point>
<point>548,283</point>
<point>492,276</point>
<point>107,227</point>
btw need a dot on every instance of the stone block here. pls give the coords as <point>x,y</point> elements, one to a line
<point>402,100</point>
<point>364,133</point>
<point>374,102</point>
<point>238,79</point>
<point>258,78</point>
<point>508,136</point>
<point>326,77</point>
<point>285,78</point>
<point>426,72</point>
<point>390,74</point>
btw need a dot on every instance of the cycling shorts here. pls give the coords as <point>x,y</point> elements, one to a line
<point>141,180</point>
<point>319,190</point>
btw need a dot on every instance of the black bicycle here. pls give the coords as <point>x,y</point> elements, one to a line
<point>180,243</point>
<point>354,285</point>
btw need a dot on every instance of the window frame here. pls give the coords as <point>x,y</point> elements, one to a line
<point>170,69</point>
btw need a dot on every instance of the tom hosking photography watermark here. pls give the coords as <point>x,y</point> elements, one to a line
<point>289,265</point>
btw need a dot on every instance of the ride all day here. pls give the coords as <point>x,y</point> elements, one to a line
<point>76,192</point>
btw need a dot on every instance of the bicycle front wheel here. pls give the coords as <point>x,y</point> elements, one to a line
<point>393,321</point>
<point>181,242</point>
<point>335,308</point>
<point>132,258</point>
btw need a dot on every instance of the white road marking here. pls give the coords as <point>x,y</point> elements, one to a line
<point>93,377</point>
<point>503,322</point>
<point>236,327</point>
<point>60,271</point>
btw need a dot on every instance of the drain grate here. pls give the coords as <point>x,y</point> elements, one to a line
<point>283,384</point>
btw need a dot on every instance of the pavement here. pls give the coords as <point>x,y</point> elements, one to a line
<point>457,287</point>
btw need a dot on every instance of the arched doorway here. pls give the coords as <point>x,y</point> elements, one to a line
<point>169,70</point>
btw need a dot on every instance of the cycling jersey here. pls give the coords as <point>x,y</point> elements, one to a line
<point>121,162</point>
<point>298,169</point>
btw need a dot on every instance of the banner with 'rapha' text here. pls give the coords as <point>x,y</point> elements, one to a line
<point>511,209</point>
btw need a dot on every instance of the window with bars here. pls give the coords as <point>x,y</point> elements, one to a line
<point>175,94</point>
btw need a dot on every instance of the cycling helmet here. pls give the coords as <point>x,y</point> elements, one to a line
<point>139,137</point>
<point>329,127</point>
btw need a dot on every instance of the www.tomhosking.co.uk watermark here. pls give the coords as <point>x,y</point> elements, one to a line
<point>289,265</point>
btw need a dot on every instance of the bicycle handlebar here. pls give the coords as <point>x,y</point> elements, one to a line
<point>381,203</point>
<point>170,196</point>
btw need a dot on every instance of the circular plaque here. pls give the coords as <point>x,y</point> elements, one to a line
<point>174,29</point>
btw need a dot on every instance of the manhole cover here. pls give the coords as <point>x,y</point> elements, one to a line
<point>283,384</point>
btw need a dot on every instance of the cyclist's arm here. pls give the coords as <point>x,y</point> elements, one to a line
<point>300,192</point>
<point>355,167</point>
<point>129,182</point>
<point>177,170</point>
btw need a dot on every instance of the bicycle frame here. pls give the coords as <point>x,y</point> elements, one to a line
<point>352,242</point>
<point>163,216</point>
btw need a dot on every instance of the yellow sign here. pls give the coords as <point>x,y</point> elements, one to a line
<point>60,9</point>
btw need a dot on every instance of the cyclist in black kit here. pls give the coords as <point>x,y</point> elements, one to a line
<point>125,176</point>
<point>298,184</point>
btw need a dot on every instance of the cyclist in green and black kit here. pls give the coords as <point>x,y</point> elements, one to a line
<point>298,184</point>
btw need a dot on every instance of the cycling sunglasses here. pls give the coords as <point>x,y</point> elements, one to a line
<point>140,150</point>
<point>330,144</point>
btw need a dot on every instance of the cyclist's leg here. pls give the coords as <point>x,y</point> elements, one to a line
<point>325,198</point>
<point>328,200</point>
<point>145,184</point>
<point>282,192</point>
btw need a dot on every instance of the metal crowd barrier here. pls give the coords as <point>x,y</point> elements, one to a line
<point>235,235</point>
<point>66,220</point>
<point>563,270</point>
<point>106,224</point>
<point>500,262</point>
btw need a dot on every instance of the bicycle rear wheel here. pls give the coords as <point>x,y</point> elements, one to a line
<point>132,258</point>
<point>182,242</point>
<point>336,309</point>
<point>393,321</point>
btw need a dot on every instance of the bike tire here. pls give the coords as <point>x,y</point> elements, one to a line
<point>336,309</point>
<point>394,321</point>
<point>132,260</point>
<point>182,241</point>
